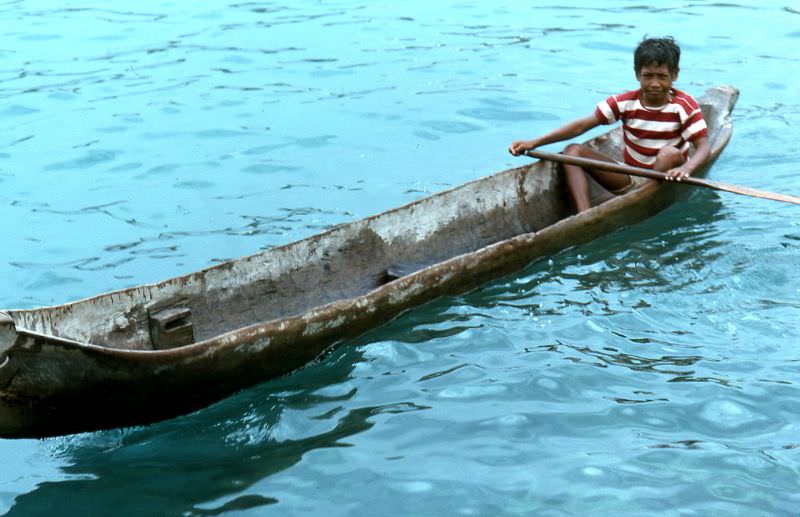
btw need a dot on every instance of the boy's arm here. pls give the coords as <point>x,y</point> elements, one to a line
<point>701,152</point>
<point>565,132</point>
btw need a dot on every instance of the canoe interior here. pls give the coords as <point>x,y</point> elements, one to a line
<point>342,263</point>
<point>345,262</point>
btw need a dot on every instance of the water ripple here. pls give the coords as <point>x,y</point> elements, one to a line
<point>653,368</point>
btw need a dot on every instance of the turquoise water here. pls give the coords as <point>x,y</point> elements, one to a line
<point>653,371</point>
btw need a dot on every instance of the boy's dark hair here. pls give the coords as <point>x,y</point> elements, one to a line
<point>657,52</point>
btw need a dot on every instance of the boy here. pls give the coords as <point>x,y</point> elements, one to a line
<point>658,124</point>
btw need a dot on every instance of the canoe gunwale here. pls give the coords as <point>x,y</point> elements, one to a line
<point>199,277</point>
<point>648,188</point>
<point>317,314</point>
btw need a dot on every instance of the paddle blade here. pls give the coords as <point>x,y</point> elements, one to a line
<point>747,191</point>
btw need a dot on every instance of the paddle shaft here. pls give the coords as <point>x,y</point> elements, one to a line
<point>647,173</point>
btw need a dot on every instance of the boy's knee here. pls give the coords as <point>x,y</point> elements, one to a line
<point>668,157</point>
<point>670,153</point>
<point>573,150</point>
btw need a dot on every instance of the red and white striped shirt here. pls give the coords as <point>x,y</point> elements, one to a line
<point>646,130</point>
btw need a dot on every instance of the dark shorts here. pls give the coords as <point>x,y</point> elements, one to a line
<point>633,182</point>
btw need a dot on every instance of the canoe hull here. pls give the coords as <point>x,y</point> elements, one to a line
<point>52,386</point>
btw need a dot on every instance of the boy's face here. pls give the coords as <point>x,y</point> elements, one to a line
<point>656,82</point>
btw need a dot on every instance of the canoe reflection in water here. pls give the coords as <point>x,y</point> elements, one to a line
<point>216,456</point>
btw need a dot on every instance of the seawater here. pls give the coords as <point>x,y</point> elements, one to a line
<point>652,371</point>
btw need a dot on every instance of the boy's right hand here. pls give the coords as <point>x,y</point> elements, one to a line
<point>520,146</point>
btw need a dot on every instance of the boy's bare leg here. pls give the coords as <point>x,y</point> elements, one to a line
<point>577,182</point>
<point>578,185</point>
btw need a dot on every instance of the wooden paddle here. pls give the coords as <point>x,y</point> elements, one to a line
<point>647,173</point>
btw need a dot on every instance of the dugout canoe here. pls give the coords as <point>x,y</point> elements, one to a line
<point>148,353</point>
